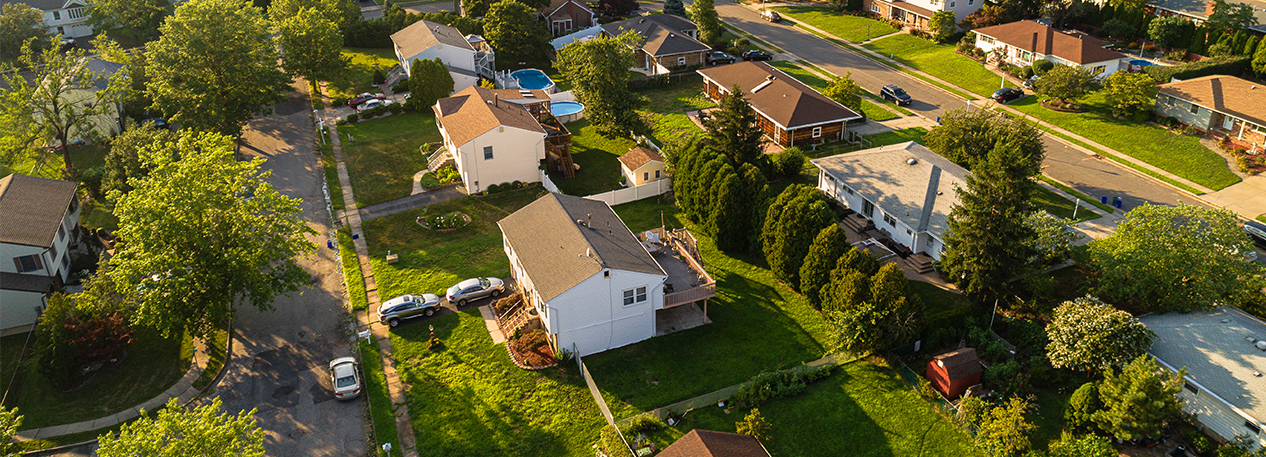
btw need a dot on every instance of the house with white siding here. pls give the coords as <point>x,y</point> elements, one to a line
<point>68,18</point>
<point>1224,352</point>
<point>1024,42</point>
<point>917,14</point>
<point>467,57</point>
<point>39,227</point>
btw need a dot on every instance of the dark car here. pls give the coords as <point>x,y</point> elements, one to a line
<point>1257,232</point>
<point>771,16</point>
<point>718,57</point>
<point>1006,94</point>
<point>408,307</point>
<point>158,123</point>
<point>362,98</point>
<point>755,55</point>
<point>895,94</point>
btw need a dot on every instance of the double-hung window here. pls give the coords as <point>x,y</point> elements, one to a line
<point>28,263</point>
<point>635,296</point>
<point>817,132</point>
<point>487,152</point>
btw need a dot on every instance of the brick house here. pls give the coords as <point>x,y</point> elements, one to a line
<point>566,16</point>
<point>669,42</point>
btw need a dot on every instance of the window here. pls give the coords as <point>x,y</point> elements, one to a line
<point>986,40</point>
<point>1099,69</point>
<point>1025,55</point>
<point>848,189</point>
<point>681,61</point>
<point>817,132</point>
<point>951,4</point>
<point>646,175</point>
<point>970,2</point>
<point>890,220</point>
<point>1252,427</point>
<point>635,296</point>
<point>874,7</point>
<point>487,152</point>
<point>57,16</point>
<point>75,13</point>
<point>61,31</point>
<point>1195,109</point>
<point>1191,387</point>
<point>28,263</point>
<point>656,174</point>
<point>52,253</point>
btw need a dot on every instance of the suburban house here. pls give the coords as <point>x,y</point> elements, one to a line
<point>68,18</point>
<point>498,136</point>
<point>903,191</point>
<point>566,16</point>
<point>791,113</point>
<point>642,165</point>
<point>1023,42</point>
<point>707,443</point>
<point>1224,352</point>
<point>1225,106</point>
<point>467,57</point>
<point>670,42</point>
<point>953,372</point>
<point>1199,10</point>
<point>107,123</point>
<point>593,283</point>
<point>917,14</point>
<point>39,228</point>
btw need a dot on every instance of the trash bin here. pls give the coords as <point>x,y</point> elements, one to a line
<point>1103,199</point>
<point>1116,201</point>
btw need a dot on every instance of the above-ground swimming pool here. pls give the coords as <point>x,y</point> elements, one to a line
<point>567,111</point>
<point>533,79</point>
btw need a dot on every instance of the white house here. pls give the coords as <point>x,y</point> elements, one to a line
<point>1023,42</point>
<point>39,226</point>
<point>905,189</point>
<point>1200,10</point>
<point>467,57</point>
<point>68,18</point>
<point>642,165</point>
<point>917,14</point>
<point>593,283</point>
<point>1225,356</point>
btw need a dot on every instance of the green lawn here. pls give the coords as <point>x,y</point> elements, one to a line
<point>1178,154</point>
<point>216,355</point>
<point>897,136</point>
<point>331,175</point>
<point>380,413</point>
<point>939,60</point>
<point>872,111</point>
<point>357,76</point>
<point>383,156</point>
<point>1049,417</point>
<point>351,270</point>
<point>1053,203</point>
<point>852,28</point>
<point>599,160</point>
<point>667,106</point>
<point>1085,198</point>
<point>935,299</point>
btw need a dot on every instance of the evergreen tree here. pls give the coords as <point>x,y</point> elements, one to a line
<point>734,128</point>
<point>728,219</point>
<point>704,15</point>
<point>1259,61</point>
<point>866,316</point>
<point>1250,46</point>
<point>860,260</point>
<point>675,7</point>
<point>756,188</point>
<point>824,253</point>
<point>1138,401</point>
<point>789,229</point>
<point>1198,41</point>
<point>1004,431</point>
<point>1082,406</point>
<point>847,289</point>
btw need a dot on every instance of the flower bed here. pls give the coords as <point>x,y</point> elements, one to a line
<point>444,222</point>
<point>531,350</point>
<point>1063,107</point>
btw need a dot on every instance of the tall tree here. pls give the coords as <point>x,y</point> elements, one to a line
<point>830,244</point>
<point>675,7</point>
<point>1138,400</point>
<point>1259,60</point>
<point>735,217</point>
<point>943,26</point>
<point>236,242</point>
<point>311,45</point>
<point>1173,258</point>
<point>123,162</point>
<point>967,136</point>
<point>1092,336</point>
<point>138,18</point>
<point>429,81</point>
<point>512,29</point>
<point>846,92</point>
<point>735,129</point>
<point>988,239</point>
<point>20,24</point>
<point>177,431</point>
<point>598,70</point>
<point>887,316</point>
<point>1067,82</point>
<point>1130,94</point>
<point>337,11</point>
<point>791,224</point>
<point>1167,31</point>
<point>1004,430</point>
<point>1230,16</point>
<point>214,66</point>
<point>704,15</point>
<point>1053,238</point>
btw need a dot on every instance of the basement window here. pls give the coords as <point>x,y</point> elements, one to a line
<point>1191,387</point>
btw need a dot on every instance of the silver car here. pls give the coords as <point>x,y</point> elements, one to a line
<point>474,289</point>
<point>346,378</point>
<point>408,307</point>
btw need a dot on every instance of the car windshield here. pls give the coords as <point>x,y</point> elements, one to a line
<point>346,381</point>
<point>899,91</point>
<point>454,290</point>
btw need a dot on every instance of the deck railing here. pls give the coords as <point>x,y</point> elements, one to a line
<point>690,295</point>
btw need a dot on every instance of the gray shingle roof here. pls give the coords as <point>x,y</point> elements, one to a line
<point>422,35</point>
<point>664,34</point>
<point>551,245</point>
<point>46,5</point>
<point>25,283</point>
<point>33,208</point>
<point>1213,347</point>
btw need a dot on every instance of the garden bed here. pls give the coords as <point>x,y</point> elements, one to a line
<point>445,222</point>
<point>1063,107</point>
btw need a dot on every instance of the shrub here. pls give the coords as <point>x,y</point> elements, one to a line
<point>494,188</point>
<point>1082,406</point>
<point>379,77</point>
<point>778,384</point>
<point>353,118</point>
<point>789,162</point>
<point>754,425</point>
<point>1008,379</point>
<point>610,443</point>
<point>531,340</point>
<point>91,179</point>
<point>395,109</point>
<point>564,356</point>
<point>1041,66</point>
<point>1227,65</point>
<point>643,424</point>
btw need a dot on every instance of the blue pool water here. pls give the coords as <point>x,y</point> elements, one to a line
<point>565,108</point>
<point>1141,63</point>
<point>532,79</point>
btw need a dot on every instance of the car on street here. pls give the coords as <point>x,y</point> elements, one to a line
<point>1006,94</point>
<point>1257,232</point>
<point>770,15</point>
<point>345,377</point>
<point>895,94</point>
<point>373,104</point>
<point>365,97</point>
<point>408,307</point>
<point>757,55</point>
<point>474,289</point>
<point>718,57</point>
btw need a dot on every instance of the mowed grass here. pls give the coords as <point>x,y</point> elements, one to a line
<point>351,270</point>
<point>356,77</point>
<point>1056,205</point>
<point>468,399</point>
<point>379,397</point>
<point>897,136</point>
<point>855,29</point>
<point>872,111</point>
<point>383,155</point>
<point>939,60</point>
<point>1178,154</point>
<point>666,109</point>
<point>599,160</point>
<point>935,299</point>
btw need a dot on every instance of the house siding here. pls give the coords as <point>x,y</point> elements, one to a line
<point>1015,56</point>
<point>898,230</point>
<point>662,64</point>
<point>64,22</point>
<point>452,56</point>
<point>580,19</point>
<point>591,317</point>
<point>648,169</point>
<point>1167,105</point>
<point>20,310</point>
<point>516,156</point>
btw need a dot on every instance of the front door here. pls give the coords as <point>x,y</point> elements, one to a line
<point>1228,123</point>
<point>868,209</point>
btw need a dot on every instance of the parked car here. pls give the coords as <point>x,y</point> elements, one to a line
<point>1006,94</point>
<point>373,104</point>
<point>158,123</point>
<point>362,98</point>
<point>718,57</point>
<point>1257,232</point>
<point>345,377</point>
<point>770,15</point>
<point>895,94</point>
<point>756,55</point>
<point>1029,83</point>
<point>474,289</point>
<point>408,307</point>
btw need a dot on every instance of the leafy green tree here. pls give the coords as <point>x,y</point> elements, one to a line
<point>1118,28</point>
<point>988,240</point>
<point>598,70</point>
<point>735,128</point>
<point>1130,94</point>
<point>429,81</point>
<point>138,18</point>
<point>675,7</point>
<point>971,410</point>
<point>1091,445</point>
<point>177,431</point>
<point>704,15</point>
<point>1138,400</point>
<point>1041,66</point>
<point>1082,406</point>
<point>1259,60</point>
<point>967,136</point>
<point>311,45</point>
<point>20,24</point>
<point>1004,431</point>
<point>77,330</point>
<point>1053,237</point>
<point>791,224</point>
<point>337,11</point>
<point>1067,82</point>
<point>790,162</point>
<point>943,25</point>
<point>1092,336</point>
<point>1173,258</point>
<point>476,8</point>
<point>1230,16</point>
<point>237,240</point>
<point>1167,31</point>
<point>828,246</point>
<point>1250,46</point>
<point>123,163</point>
<point>10,421</point>
<point>847,289</point>
<point>846,92</point>
<point>885,316</point>
<point>512,29</point>
<point>754,425</point>
<point>214,66</point>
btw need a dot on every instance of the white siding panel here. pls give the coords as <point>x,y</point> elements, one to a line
<point>592,314</point>
<point>18,308</point>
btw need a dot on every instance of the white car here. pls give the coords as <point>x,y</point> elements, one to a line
<point>346,378</point>
<point>373,104</point>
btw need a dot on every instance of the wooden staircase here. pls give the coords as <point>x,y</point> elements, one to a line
<point>920,262</point>
<point>857,223</point>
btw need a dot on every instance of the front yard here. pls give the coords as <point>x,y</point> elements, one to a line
<point>357,76</point>
<point>855,29</point>
<point>939,60</point>
<point>383,154</point>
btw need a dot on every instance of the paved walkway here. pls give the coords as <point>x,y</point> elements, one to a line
<point>414,201</point>
<point>183,391</point>
<point>400,408</point>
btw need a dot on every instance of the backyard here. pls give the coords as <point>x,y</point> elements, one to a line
<point>939,60</point>
<point>358,75</point>
<point>667,107</point>
<point>383,155</point>
<point>599,160</point>
<point>851,28</point>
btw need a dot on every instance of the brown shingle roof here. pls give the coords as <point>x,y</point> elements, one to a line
<point>33,208</point>
<point>551,245</point>
<point>1224,94</point>
<point>960,364</point>
<point>663,34</point>
<point>784,100</point>
<point>707,443</point>
<point>1038,38</point>
<point>556,4</point>
<point>423,34</point>
<point>639,156</point>
<point>476,110</point>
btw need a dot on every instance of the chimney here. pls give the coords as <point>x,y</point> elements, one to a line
<point>588,220</point>
<point>495,99</point>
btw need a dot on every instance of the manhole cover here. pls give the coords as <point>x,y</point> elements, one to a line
<point>297,433</point>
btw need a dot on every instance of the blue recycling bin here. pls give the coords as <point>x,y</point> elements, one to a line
<point>1103,199</point>
<point>1116,201</point>
<point>355,236</point>
<point>329,244</point>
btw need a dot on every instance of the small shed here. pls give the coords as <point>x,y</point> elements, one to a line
<point>642,165</point>
<point>953,372</point>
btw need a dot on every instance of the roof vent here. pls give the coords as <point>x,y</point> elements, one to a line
<point>1257,373</point>
<point>1226,321</point>
<point>761,86</point>
<point>912,161</point>
<point>639,21</point>
<point>1261,345</point>
<point>1250,339</point>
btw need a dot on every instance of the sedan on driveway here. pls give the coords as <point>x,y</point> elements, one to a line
<point>373,104</point>
<point>408,307</point>
<point>474,289</point>
<point>718,57</point>
<point>346,378</point>
<point>757,55</point>
<point>362,98</point>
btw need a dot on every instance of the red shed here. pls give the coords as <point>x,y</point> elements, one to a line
<point>953,372</point>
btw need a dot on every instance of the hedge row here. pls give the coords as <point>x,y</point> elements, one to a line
<point>1225,65</point>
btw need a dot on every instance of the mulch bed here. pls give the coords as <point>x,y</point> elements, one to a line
<point>1053,106</point>
<point>534,358</point>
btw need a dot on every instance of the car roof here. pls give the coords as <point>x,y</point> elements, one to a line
<point>891,86</point>
<point>345,369</point>
<point>397,301</point>
<point>468,283</point>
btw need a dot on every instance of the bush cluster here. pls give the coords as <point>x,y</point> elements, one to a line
<point>643,424</point>
<point>448,174</point>
<point>1225,65</point>
<point>778,384</point>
